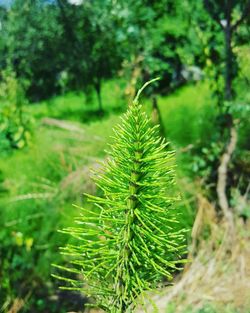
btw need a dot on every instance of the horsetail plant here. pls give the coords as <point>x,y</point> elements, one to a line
<point>128,242</point>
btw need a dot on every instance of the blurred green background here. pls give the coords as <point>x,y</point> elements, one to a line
<point>68,70</point>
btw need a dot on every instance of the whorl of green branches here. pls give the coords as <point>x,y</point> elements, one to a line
<point>128,242</point>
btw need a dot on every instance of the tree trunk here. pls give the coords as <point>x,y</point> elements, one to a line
<point>229,64</point>
<point>99,96</point>
<point>228,55</point>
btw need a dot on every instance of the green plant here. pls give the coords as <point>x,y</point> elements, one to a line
<point>127,242</point>
<point>15,122</point>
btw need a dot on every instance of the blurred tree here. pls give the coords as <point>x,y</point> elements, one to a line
<point>3,17</point>
<point>91,33</point>
<point>229,15</point>
<point>32,45</point>
<point>166,45</point>
<point>164,41</point>
<point>60,45</point>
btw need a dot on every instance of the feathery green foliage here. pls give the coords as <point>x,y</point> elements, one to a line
<point>129,242</point>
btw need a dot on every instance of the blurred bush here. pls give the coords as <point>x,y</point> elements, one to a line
<point>15,122</point>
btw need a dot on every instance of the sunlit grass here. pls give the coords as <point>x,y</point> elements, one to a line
<point>77,106</point>
<point>188,114</point>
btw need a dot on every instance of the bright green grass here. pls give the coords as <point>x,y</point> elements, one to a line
<point>78,107</point>
<point>54,155</point>
<point>28,216</point>
<point>188,114</point>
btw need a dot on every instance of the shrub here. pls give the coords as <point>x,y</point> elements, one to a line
<point>15,122</point>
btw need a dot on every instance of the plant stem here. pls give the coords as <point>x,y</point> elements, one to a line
<point>132,202</point>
